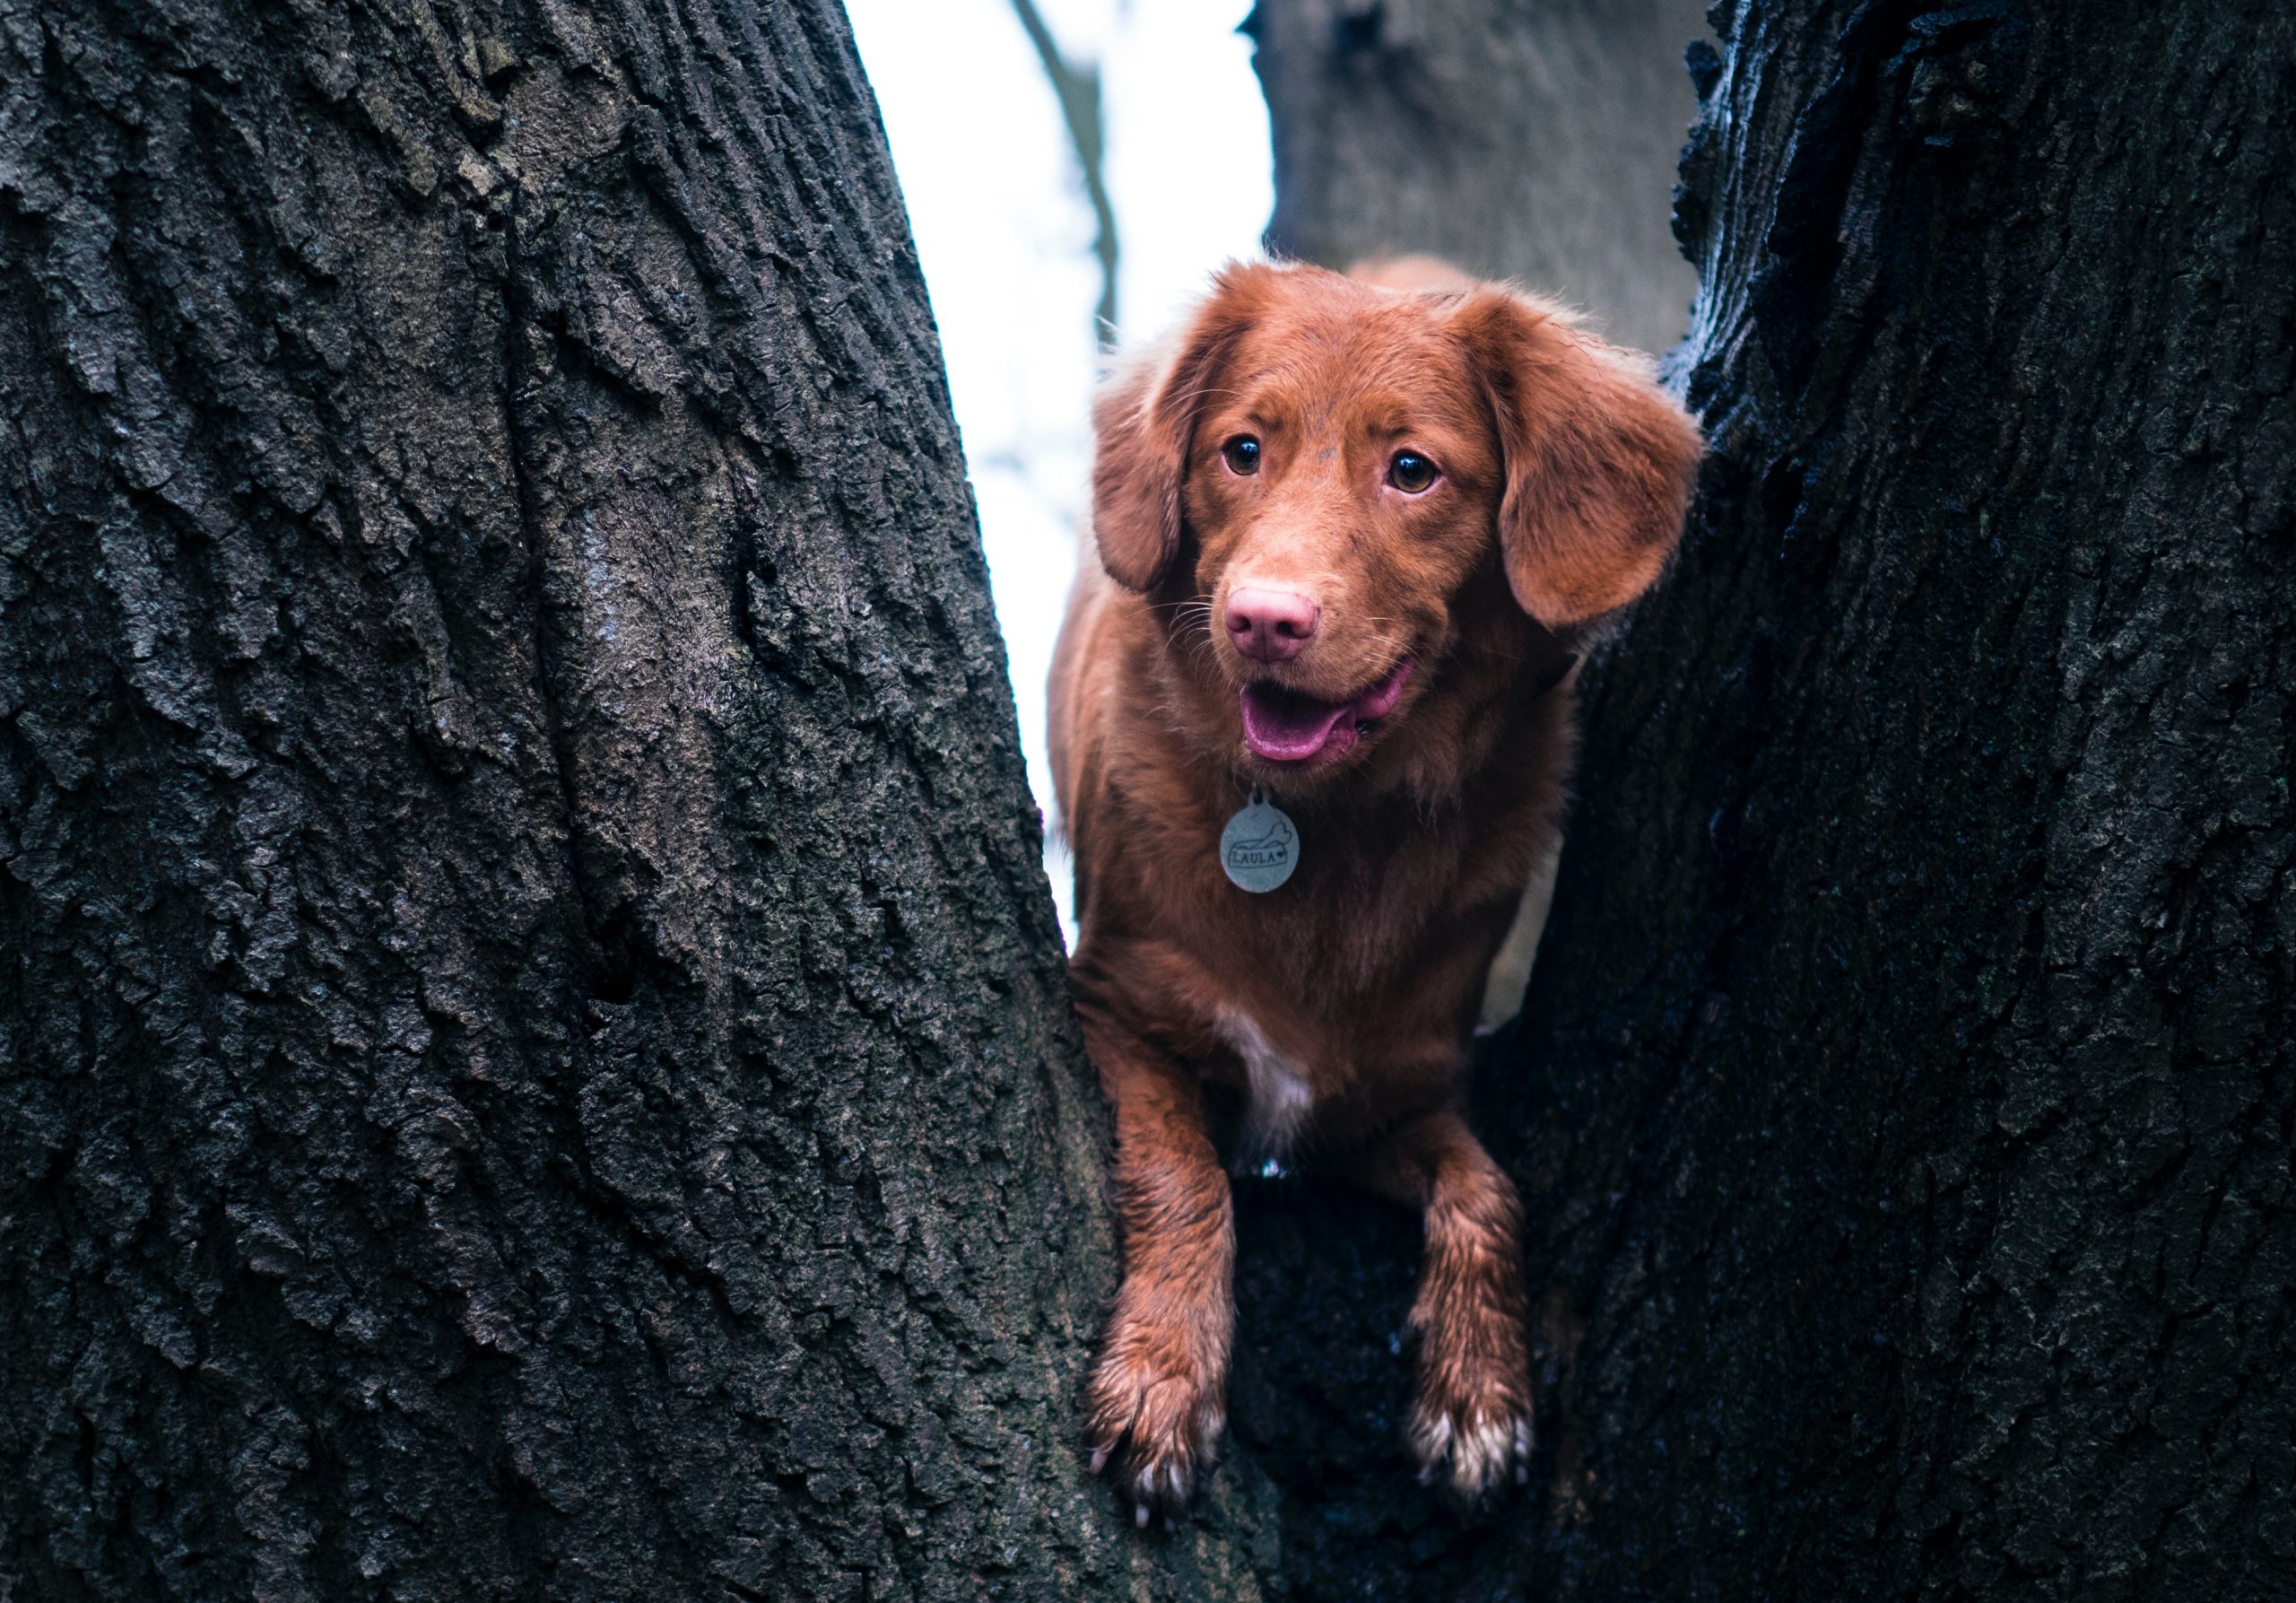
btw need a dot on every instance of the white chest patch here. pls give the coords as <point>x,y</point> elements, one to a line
<point>1281,1100</point>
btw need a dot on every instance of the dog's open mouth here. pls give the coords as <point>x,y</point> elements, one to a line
<point>1282,726</point>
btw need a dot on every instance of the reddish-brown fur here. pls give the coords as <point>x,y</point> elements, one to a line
<point>1328,1018</point>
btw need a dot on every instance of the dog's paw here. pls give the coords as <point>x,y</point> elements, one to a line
<point>1470,1422</point>
<point>1158,1412</point>
<point>1471,1450</point>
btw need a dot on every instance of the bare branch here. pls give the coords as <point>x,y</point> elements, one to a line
<point>1079,89</point>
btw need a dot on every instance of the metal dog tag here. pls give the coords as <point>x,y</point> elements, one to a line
<point>1260,847</point>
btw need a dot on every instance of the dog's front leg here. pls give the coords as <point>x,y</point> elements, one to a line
<point>1471,1420</point>
<point>1159,1392</point>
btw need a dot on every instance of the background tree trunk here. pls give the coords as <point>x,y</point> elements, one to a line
<point>1528,141</point>
<point>532,1044</point>
<point>1905,1095</point>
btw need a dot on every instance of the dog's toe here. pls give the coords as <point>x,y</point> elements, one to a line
<point>1472,1450</point>
<point>1166,1427</point>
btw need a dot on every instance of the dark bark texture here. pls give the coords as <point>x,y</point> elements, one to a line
<point>1904,1104</point>
<point>1536,142</point>
<point>534,1054</point>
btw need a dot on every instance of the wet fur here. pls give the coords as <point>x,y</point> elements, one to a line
<point>1327,1021</point>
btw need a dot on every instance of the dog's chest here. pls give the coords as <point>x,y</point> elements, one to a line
<point>1278,1097</point>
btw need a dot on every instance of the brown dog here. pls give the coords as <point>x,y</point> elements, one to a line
<point>1347,531</point>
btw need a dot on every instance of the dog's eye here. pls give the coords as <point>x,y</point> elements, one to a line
<point>1411,472</point>
<point>1242,455</point>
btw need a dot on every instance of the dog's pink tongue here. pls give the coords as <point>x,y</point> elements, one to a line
<point>1283,725</point>
<point>1286,727</point>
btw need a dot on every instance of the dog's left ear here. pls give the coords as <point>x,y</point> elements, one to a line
<point>1143,420</point>
<point>1599,459</point>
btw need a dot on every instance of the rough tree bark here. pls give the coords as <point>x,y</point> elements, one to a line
<point>1905,1096</point>
<point>1528,141</point>
<point>533,1056</point>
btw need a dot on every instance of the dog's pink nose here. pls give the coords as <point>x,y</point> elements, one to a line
<point>1271,626</point>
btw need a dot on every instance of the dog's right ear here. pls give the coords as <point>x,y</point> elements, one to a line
<point>1143,421</point>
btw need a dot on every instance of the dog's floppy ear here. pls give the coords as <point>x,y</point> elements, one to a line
<point>1143,420</point>
<point>1599,459</point>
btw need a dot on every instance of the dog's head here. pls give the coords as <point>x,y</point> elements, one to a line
<point>1335,480</point>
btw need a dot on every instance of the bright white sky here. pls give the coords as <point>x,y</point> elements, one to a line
<point>1005,235</point>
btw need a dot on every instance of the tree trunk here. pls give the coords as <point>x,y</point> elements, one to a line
<point>533,1042</point>
<point>1534,141</point>
<point>1904,1098</point>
